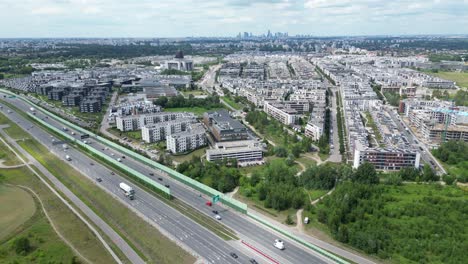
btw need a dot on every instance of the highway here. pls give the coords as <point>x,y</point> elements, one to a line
<point>184,230</point>
<point>199,239</point>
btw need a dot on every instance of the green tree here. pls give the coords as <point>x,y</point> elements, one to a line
<point>280,151</point>
<point>366,174</point>
<point>429,174</point>
<point>22,246</point>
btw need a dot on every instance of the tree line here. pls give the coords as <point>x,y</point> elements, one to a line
<point>209,102</point>
<point>222,176</point>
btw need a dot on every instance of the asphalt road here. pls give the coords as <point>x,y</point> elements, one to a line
<point>185,231</point>
<point>198,239</point>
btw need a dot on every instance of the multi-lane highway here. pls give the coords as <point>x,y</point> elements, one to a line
<point>181,228</point>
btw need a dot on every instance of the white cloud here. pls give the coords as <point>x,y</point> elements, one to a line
<point>48,10</point>
<point>228,17</point>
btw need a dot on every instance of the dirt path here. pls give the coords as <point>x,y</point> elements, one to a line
<point>231,194</point>
<point>299,224</point>
<point>320,198</point>
<point>2,166</point>
<point>69,244</point>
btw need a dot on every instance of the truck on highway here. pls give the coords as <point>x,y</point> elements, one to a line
<point>129,192</point>
<point>67,157</point>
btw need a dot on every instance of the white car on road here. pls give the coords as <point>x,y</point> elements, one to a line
<point>279,244</point>
<point>218,217</point>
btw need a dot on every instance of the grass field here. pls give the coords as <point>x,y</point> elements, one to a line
<point>14,130</point>
<point>17,207</point>
<point>8,157</point>
<point>194,92</point>
<point>144,237</point>
<point>199,111</point>
<point>181,158</point>
<point>49,248</point>
<point>232,103</point>
<point>461,78</point>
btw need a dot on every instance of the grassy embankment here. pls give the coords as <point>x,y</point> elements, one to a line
<point>142,236</point>
<point>46,245</point>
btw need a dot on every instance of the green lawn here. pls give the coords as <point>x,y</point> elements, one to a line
<point>47,246</point>
<point>135,135</point>
<point>17,207</point>
<point>199,111</point>
<point>315,194</point>
<point>8,157</point>
<point>181,158</point>
<point>461,78</point>
<point>232,103</point>
<point>14,130</point>
<point>194,92</point>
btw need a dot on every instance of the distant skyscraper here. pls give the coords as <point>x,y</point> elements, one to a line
<point>269,34</point>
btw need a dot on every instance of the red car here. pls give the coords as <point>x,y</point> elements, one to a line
<point>209,203</point>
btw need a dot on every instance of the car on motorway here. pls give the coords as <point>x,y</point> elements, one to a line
<point>253,261</point>
<point>91,163</point>
<point>98,179</point>
<point>279,244</point>
<point>218,217</point>
<point>234,255</point>
<point>159,178</point>
<point>215,212</point>
<point>119,160</point>
<point>167,185</point>
<point>112,173</point>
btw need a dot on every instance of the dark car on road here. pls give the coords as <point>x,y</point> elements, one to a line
<point>234,255</point>
<point>253,261</point>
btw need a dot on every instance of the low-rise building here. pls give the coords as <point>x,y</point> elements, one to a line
<point>280,112</point>
<point>224,127</point>
<point>242,151</point>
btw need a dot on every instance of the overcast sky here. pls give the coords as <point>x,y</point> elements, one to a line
<point>179,18</point>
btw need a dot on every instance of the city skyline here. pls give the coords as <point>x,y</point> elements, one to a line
<point>226,18</point>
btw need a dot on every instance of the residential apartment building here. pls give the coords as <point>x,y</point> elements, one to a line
<point>136,122</point>
<point>191,139</point>
<point>159,131</point>
<point>281,112</point>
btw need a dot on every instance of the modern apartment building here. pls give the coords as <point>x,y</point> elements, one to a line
<point>190,139</point>
<point>136,122</point>
<point>159,131</point>
<point>281,112</point>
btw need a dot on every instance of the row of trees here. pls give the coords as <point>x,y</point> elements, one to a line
<point>223,176</point>
<point>339,122</point>
<point>209,102</point>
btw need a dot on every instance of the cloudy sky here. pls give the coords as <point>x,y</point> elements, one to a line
<point>178,18</point>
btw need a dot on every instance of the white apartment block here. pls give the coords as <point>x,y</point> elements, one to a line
<point>286,116</point>
<point>188,140</point>
<point>136,122</point>
<point>242,151</point>
<point>314,129</point>
<point>157,132</point>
